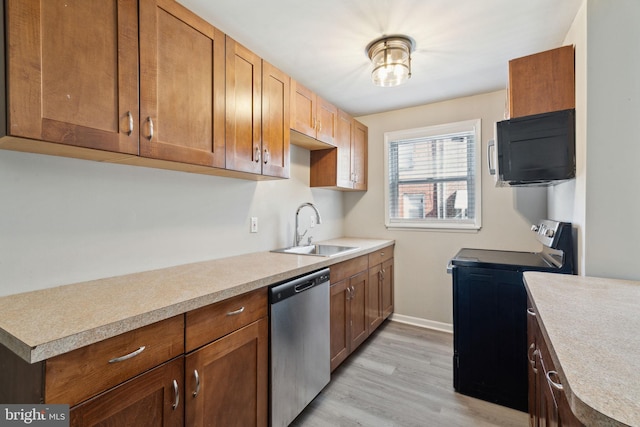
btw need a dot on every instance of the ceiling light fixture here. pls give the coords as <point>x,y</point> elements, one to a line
<point>391,59</point>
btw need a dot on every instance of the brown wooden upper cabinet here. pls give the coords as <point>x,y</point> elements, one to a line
<point>542,83</point>
<point>73,72</point>
<point>343,167</point>
<point>181,86</point>
<point>312,116</point>
<point>257,114</point>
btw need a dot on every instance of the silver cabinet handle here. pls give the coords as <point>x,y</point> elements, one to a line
<point>531,311</point>
<point>234,312</point>
<point>348,293</point>
<point>552,383</point>
<point>150,137</point>
<point>130,121</point>
<point>176,395</point>
<point>127,356</point>
<point>319,126</point>
<point>267,156</point>
<point>532,357</point>
<point>353,291</point>
<point>315,124</point>
<point>197,377</point>
<point>257,154</point>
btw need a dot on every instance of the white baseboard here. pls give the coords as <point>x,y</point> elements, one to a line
<point>423,323</point>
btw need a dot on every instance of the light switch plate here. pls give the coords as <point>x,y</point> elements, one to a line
<point>254,224</point>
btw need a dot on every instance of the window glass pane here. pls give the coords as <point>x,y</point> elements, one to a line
<point>433,178</point>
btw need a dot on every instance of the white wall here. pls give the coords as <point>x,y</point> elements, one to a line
<point>603,200</point>
<point>423,288</point>
<point>66,220</point>
<point>566,200</point>
<point>612,236</point>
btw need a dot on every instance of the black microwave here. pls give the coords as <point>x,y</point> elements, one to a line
<point>536,150</point>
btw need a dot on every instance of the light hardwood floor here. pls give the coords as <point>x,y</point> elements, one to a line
<point>401,377</point>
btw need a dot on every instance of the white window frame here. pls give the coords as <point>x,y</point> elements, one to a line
<point>431,131</point>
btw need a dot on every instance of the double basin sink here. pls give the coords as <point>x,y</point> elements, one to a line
<point>317,250</point>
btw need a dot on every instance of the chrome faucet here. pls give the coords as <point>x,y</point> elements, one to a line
<point>298,237</point>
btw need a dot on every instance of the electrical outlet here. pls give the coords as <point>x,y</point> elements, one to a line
<point>254,224</point>
<point>312,222</point>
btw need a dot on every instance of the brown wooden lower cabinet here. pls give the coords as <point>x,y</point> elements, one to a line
<point>361,298</point>
<point>548,404</point>
<point>144,378</point>
<point>152,399</point>
<point>226,381</point>
<point>349,327</point>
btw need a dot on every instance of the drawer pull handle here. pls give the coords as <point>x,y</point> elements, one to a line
<point>531,312</point>
<point>197,377</point>
<point>554,384</point>
<point>176,395</point>
<point>238,311</point>
<point>381,253</point>
<point>127,356</point>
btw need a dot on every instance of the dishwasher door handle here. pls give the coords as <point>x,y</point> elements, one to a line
<point>304,286</point>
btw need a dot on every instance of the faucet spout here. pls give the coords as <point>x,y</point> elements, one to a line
<point>297,236</point>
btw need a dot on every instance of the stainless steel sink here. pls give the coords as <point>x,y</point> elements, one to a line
<point>317,250</point>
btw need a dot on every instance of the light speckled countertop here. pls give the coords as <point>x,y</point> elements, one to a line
<point>593,328</point>
<point>41,324</point>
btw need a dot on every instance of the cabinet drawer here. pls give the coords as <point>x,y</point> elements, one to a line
<point>346,269</point>
<point>209,323</point>
<point>75,376</point>
<point>380,256</point>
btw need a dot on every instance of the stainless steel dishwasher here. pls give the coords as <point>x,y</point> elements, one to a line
<point>299,346</point>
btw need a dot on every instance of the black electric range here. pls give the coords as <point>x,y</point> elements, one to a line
<point>489,314</point>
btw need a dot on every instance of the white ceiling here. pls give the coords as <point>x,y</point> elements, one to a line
<point>462,46</point>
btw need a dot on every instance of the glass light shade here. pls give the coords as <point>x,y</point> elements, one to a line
<point>391,59</point>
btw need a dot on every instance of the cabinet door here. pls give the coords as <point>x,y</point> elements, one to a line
<point>153,399</point>
<point>542,82</point>
<point>303,109</point>
<point>345,134</point>
<point>548,406</point>
<point>358,301</point>
<point>359,145</point>
<point>275,121</point>
<point>231,385</point>
<point>243,105</point>
<point>554,406</point>
<point>374,306</point>
<point>73,72</point>
<point>327,117</point>
<point>532,372</point>
<point>386,288</point>
<point>340,324</point>
<point>181,85</point>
